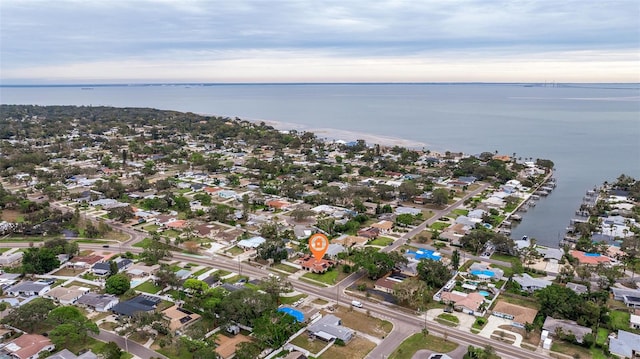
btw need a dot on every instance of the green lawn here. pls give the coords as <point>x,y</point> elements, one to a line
<point>148,287</point>
<point>201,271</point>
<point>439,225</point>
<point>601,338</point>
<point>505,258</point>
<point>330,277</point>
<point>235,250</point>
<point>460,212</point>
<point>619,319</point>
<point>285,268</point>
<point>381,241</point>
<point>416,342</point>
<point>143,243</point>
<point>151,228</point>
<point>448,319</point>
<point>291,300</point>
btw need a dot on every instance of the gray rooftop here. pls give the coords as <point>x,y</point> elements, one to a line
<point>331,325</point>
<point>96,300</point>
<point>567,326</point>
<point>625,344</point>
<point>527,281</point>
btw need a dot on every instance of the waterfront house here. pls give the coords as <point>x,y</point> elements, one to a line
<point>590,259</point>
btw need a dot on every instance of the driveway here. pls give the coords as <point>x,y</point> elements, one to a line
<point>492,325</point>
<point>458,352</point>
<point>465,320</point>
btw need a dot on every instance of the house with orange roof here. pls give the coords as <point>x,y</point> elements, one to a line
<point>212,190</point>
<point>278,204</point>
<point>311,264</point>
<point>177,224</point>
<point>84,261</point>
<point>590,258</point>
<point>469,303</point>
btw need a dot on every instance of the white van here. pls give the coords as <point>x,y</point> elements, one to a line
<point>356,304</point>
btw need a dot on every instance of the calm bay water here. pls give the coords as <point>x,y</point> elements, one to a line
<point>591,132</point>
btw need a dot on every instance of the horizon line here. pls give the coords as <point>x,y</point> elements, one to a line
<point>132,84</point>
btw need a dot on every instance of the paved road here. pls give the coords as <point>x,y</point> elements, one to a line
<point>404,323</point>
<point>128,346</point>
<point>439,213</point>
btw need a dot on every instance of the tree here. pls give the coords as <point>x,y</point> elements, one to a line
<point>455,260</point>
<point>440,196</point>
<point>111,350</point>
<point>434,273</point>
<point>273,328</point>
<point>122,214</point>
<point>375,263</point>
<point>70,326</point>
<point>245,306</point>
<point>274,286</point>
<point>39,260</point>
<point>154,250</point>
<point>117,284</point>
<point>31,315</point>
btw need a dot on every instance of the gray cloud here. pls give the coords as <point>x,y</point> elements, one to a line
<point>44,34</point>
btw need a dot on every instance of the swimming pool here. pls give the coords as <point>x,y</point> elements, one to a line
<point>484,293</point>
<point>293,312</point>
<point>426,253</point>
<point>592,254</point>
<point>483,272</point>
<point>136,282</point>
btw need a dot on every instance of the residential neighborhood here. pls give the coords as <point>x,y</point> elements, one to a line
<point>147,233</point>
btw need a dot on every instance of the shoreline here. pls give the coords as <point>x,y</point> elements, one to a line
<point>334,134</point>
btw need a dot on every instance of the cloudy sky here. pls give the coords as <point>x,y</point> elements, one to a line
<point>116,41</point>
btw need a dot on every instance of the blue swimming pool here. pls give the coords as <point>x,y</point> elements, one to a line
<point>426,253</point>
<point>484,293</point>
<point>292,312</point>
<point>483,272</point>
<point>592,254</point>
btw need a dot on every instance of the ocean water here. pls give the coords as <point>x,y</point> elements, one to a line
<point>591,132</point>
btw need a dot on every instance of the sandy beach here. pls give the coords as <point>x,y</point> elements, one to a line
<point>330,134</point>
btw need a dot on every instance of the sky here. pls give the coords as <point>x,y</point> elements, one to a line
<point>139,41</point>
